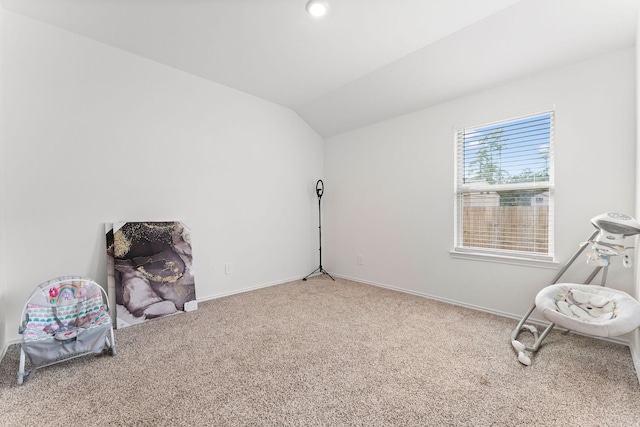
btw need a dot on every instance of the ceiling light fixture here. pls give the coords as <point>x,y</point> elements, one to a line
<point>317,8</point>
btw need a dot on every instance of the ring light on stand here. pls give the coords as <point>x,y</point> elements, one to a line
<point>319,193</point>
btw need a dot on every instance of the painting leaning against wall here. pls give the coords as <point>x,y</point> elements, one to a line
<point>149,270</point>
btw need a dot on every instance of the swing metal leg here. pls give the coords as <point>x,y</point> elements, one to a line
<point>519,347</point>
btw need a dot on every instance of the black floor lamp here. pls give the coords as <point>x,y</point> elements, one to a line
<point>319,192</point>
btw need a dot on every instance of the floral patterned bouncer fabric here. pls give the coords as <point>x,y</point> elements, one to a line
<point>64,318</point>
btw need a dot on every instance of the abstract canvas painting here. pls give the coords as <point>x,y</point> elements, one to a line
<point>150,270</point>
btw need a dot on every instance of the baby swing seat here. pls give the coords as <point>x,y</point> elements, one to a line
<point>589,309</point>
<point>585,308</point>
<point>64,318</point>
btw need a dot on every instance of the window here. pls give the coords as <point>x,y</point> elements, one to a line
<point>504,188</point>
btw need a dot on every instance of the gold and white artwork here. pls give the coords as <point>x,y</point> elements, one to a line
<point>149,266</point>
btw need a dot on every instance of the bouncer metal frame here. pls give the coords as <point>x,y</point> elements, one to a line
<point>522,326</point>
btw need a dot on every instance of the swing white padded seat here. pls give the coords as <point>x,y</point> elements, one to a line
<point>624,318</point>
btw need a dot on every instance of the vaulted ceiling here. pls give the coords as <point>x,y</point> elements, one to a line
<point>364,62</point>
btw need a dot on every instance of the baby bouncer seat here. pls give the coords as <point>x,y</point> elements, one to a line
<point>585,308</point>
<point>64,318</point>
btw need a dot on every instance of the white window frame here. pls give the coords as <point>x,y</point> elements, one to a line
<point>494,254</point>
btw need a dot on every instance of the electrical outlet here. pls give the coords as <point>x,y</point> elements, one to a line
<point>227,268</point>
<point>360,260</point>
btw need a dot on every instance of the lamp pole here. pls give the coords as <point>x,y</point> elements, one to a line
<point>319,193</point>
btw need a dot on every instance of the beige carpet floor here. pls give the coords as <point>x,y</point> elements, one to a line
<point>323,353</point>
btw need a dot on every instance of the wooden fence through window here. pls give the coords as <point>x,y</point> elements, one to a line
<point>517,228</point>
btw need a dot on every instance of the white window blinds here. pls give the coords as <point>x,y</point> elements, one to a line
<point>504,186</point>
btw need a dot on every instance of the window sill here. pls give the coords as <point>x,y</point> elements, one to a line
<point>504,259</point>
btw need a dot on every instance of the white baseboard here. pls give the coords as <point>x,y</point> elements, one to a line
<point>248,289</point>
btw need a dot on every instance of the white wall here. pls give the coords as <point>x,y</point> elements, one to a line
<point>635,336</point>
<point>390,185</point>
<point>3,302</point>
<point>95,135</point>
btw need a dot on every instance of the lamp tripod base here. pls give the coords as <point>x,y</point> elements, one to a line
<point>318,270</point>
